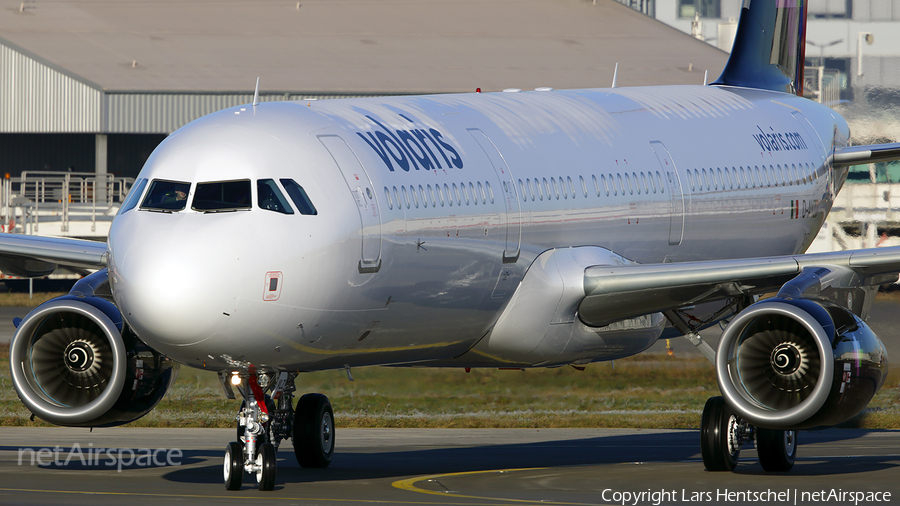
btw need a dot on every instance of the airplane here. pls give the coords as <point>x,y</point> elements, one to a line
<point>510,229</point>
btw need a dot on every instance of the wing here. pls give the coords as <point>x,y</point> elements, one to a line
<point>617,292</point>
<point>35,256</point>
<point>855,155</point>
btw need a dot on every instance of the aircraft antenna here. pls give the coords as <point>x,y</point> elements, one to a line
<point>705,74</point>
<point>256,94</point>
<point>615,74</point>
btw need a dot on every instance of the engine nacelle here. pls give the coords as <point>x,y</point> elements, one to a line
<point>796,364</point>
<point>73,365</point>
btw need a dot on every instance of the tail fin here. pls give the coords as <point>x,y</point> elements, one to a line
<point>769,47</point>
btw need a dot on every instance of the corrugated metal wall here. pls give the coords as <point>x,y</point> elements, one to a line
<point>167,112</point>
<point>36,98</point>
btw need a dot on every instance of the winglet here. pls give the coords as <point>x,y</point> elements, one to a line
<point>256,94</point>
<point>769,47</point>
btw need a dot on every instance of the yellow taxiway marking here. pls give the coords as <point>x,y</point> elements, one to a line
<point>409,484</point>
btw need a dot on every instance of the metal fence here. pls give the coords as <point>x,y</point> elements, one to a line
<point>822,85</point>
<point>60,200</point>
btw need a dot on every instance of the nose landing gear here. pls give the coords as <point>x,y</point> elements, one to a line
<point>263,425</point>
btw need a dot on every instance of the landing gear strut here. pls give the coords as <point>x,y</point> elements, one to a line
<point>266,420</point>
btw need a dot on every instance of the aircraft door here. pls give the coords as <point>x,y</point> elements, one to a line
<point>817,145</point>
<point>676,195</point>
<point>363,191</point>
<point>510,219</point>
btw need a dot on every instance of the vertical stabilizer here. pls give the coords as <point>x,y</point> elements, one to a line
<point>769,47</point>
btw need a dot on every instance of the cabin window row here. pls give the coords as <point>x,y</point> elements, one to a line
<point>758,176</point>
<point>553,188</point>
<point>622,183</point>
<point>449,194</point>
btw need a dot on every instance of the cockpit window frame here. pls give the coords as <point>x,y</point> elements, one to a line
<point>300,199</point>
<point>280,201</point>
<point>134,195</point>
<point>145,206</point>
<point>225,209</point>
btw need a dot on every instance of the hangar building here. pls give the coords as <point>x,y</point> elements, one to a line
<point>95,86</point>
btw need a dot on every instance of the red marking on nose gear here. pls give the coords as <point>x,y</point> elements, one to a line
<point>258,393</point>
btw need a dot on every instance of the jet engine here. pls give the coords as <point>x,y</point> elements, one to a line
<point>797,363</point>
<point>75,363</point>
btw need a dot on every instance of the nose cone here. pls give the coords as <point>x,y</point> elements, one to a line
<point>172,276</point>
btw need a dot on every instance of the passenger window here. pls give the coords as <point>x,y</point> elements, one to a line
<point>522,187</point>
<point>449,195</point>
<point>597,184</point>
<point>270,198</point>
<point>133,196</point>
<point>530,189</point>
<point>167,196</point>
<point>555,188</point>
<point>301,199</point>
<point>464,191</point>
<point>490,191</point>
<point>481,192</point>
<point>628,182</point>
<point>220,196</point>
<point>387,197</point>
<point>472,191</point>
<point>583,185</point>
<point>619,187</point>
<point>456,192</point>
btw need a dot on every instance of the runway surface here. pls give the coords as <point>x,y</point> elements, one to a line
<point>445,466</point>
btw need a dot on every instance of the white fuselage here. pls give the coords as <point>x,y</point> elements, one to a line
<point>430,210</point>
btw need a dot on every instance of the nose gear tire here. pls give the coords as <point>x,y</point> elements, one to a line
<point>234,466</point>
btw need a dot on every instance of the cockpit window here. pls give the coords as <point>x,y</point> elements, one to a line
<point>132,199</point>
<point>222,196</point>
<point>166,196</point>
<point>298,195</point>
<point>270,198</point>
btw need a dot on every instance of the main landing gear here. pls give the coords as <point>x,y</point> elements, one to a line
<point>263,425</point>
<point>722,433</point>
